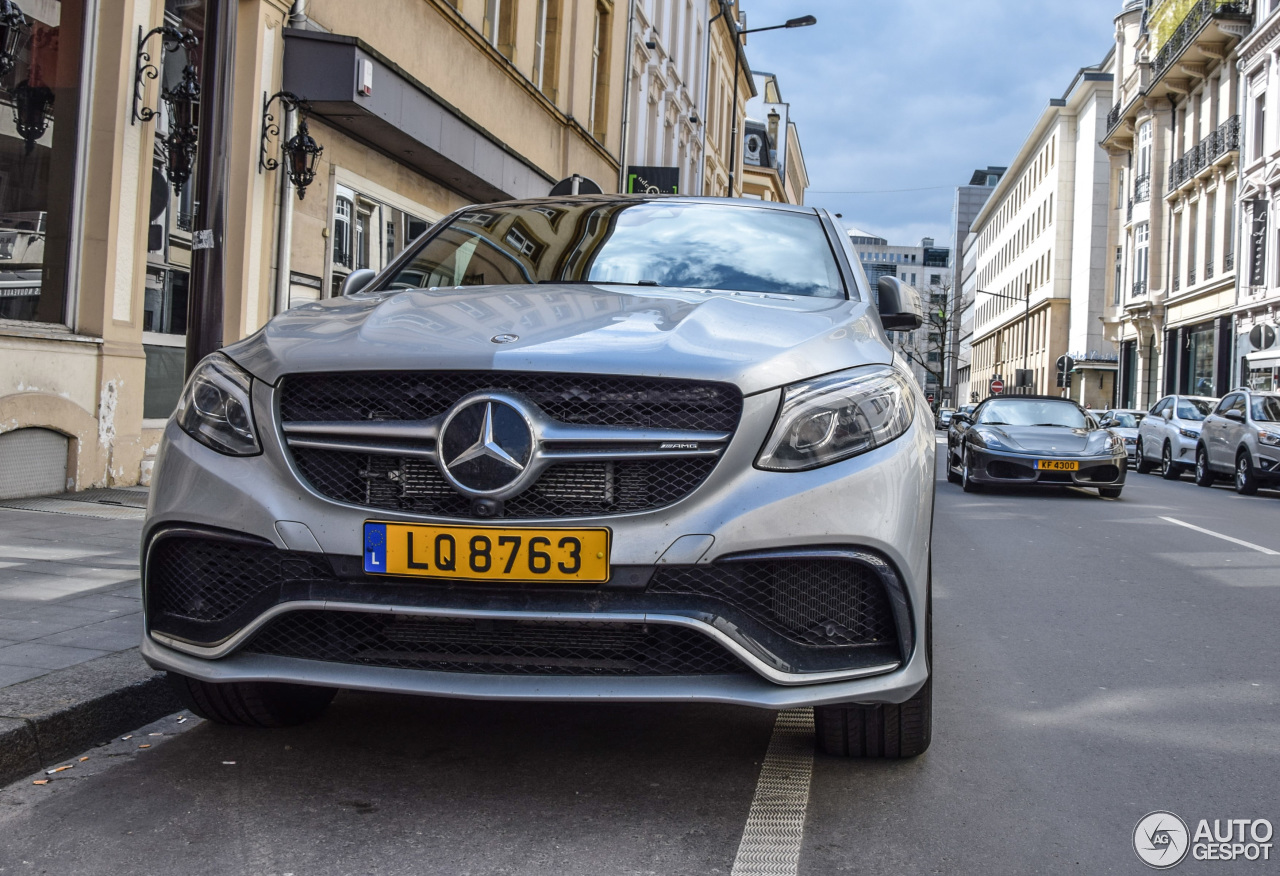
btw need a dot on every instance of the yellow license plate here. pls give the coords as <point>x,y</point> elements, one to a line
<point>1057,465</point>
<point>485,553</point>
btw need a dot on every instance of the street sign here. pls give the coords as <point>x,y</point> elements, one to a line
<point>997,386</point>
<point>929,397</point>
<point>575,185</point>
<point>1066,364</point>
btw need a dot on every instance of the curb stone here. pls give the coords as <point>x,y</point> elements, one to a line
<point>47,719</point>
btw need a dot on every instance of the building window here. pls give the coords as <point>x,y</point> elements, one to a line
<point>1141,258</point>
<point>499,26</point>
<point>342,210</point>
<point>1115,292</point>
<point>1229,230</point>
<point>1192,232</point>
<point>599,110</point>
<point>368,234</point>
<point>1259,125</point>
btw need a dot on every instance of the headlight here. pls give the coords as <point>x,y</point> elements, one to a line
<point>831,418</point>
<point>215,408</point>
<point>1131,441</point>
<point>992,440</point>
<point>1271,439</point>
<point>1112,442</point>
<point>1187,433</point>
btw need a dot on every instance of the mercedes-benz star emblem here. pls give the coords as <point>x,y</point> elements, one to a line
<point>486,446</point>
<point>505,339</point>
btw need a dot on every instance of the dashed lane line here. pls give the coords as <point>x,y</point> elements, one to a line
<point>775,825</point>
<point>1255,547</point>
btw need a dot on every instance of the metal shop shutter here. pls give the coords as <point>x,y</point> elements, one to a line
<point>33,462</point>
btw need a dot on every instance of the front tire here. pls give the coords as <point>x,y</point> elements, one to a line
<point>883,730</point>
<point>1204,474</point>
<point>1143,465</point>
<point>252,703</point>
<point>966,478</point>
<point>1168,470</point>
<point>1246,477</point>
<point>952,477</point>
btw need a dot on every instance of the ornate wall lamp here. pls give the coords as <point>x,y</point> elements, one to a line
<point>13,33</point>
<point>180,143</point>
<point>300,151</point>
<point>31,105</point>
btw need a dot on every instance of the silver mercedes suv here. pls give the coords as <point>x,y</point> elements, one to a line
<point>640,449</point>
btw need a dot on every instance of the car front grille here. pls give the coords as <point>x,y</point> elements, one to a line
<point>584,399</point>
<point>561,648</point>
<point>395,479</point>
<point>822,603</point>
<point>564,490</point>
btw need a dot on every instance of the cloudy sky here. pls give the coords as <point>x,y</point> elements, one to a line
<point>916,94</point>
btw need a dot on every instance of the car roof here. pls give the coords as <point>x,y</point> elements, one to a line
<point>743,203</point>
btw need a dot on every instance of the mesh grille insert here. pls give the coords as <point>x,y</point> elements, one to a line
<point>494,647</point>
<point>209,579</point>
<point>586,399</point>
<point>828,603</point>
<point>563,490</point>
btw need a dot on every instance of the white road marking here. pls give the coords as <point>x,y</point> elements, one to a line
<point>775,826</point>
<point>1256,547</point>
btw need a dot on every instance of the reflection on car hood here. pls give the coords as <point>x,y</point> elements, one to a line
<point>1041,439</point>
<point>1124,432</point>
<point>756,341</point>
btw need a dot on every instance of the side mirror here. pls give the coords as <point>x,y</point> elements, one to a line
<point>1106,422</point>
<point>357,281</point>
<point>1234,415</point>
<point>959,418</point>
<point>1167,413</point>
<point>899,306</point>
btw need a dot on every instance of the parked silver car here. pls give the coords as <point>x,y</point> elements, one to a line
<point>1241,438</point>
<point>1125,424</point>
<point>1168,435</point>
<point>610,448</point>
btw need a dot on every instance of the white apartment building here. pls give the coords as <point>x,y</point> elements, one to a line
<point>968,202</point>
<point>1040,253</point>
<point>1257,311</point>
<point>666,115</point>
<point>1173,136</point>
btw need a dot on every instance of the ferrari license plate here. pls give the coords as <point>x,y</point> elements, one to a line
<point>1057,465</point>
<point>482,553</point>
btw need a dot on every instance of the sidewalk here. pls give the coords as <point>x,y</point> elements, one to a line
<point>71,676</point>
<point>69,589</point>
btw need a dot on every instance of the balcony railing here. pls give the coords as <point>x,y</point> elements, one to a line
<point>1229,262</point>
<point>1113,117</point>
<point>1142,188</point>
<point>1208,269</point>
<point>1222,140</point>
<point>1199,15</point>
<point>1191,277</point>
<point>1129,215</point>
<point>1139,288</point>
<point>1177,284</point>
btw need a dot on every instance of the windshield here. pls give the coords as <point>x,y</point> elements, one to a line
<point>1194,409</point>
<point>1031,412</point>
<point>647,243</point>
<point>1266,408</point>
<point>1124,421</point>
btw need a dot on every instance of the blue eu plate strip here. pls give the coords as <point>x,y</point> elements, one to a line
<point>375,548</point>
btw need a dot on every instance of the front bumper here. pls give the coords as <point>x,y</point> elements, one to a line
<point>1005,467</point>
<point>888,492</point>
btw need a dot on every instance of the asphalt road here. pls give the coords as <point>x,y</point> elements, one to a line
<point>1095,662</point>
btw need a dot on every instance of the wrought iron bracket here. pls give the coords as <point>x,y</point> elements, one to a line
<point>144,68</point>
<point>271,128</point>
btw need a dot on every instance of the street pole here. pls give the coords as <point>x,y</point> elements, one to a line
<point>205,311</point>
<point>733,135</point>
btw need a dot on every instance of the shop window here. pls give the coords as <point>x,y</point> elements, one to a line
<point>38,162</point>
<point>342,239</point>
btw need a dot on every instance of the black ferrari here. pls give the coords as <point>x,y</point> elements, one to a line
<point>1035,440</point>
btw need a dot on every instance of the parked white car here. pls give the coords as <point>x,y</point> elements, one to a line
<point>1167,436</point>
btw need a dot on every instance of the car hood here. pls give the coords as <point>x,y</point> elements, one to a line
<point>756,341</point>
<point>1041,439</point>
<point>1124,432</point>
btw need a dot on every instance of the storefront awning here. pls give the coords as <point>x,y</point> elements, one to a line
<point>1263,359</point>
<point>404,118</point>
